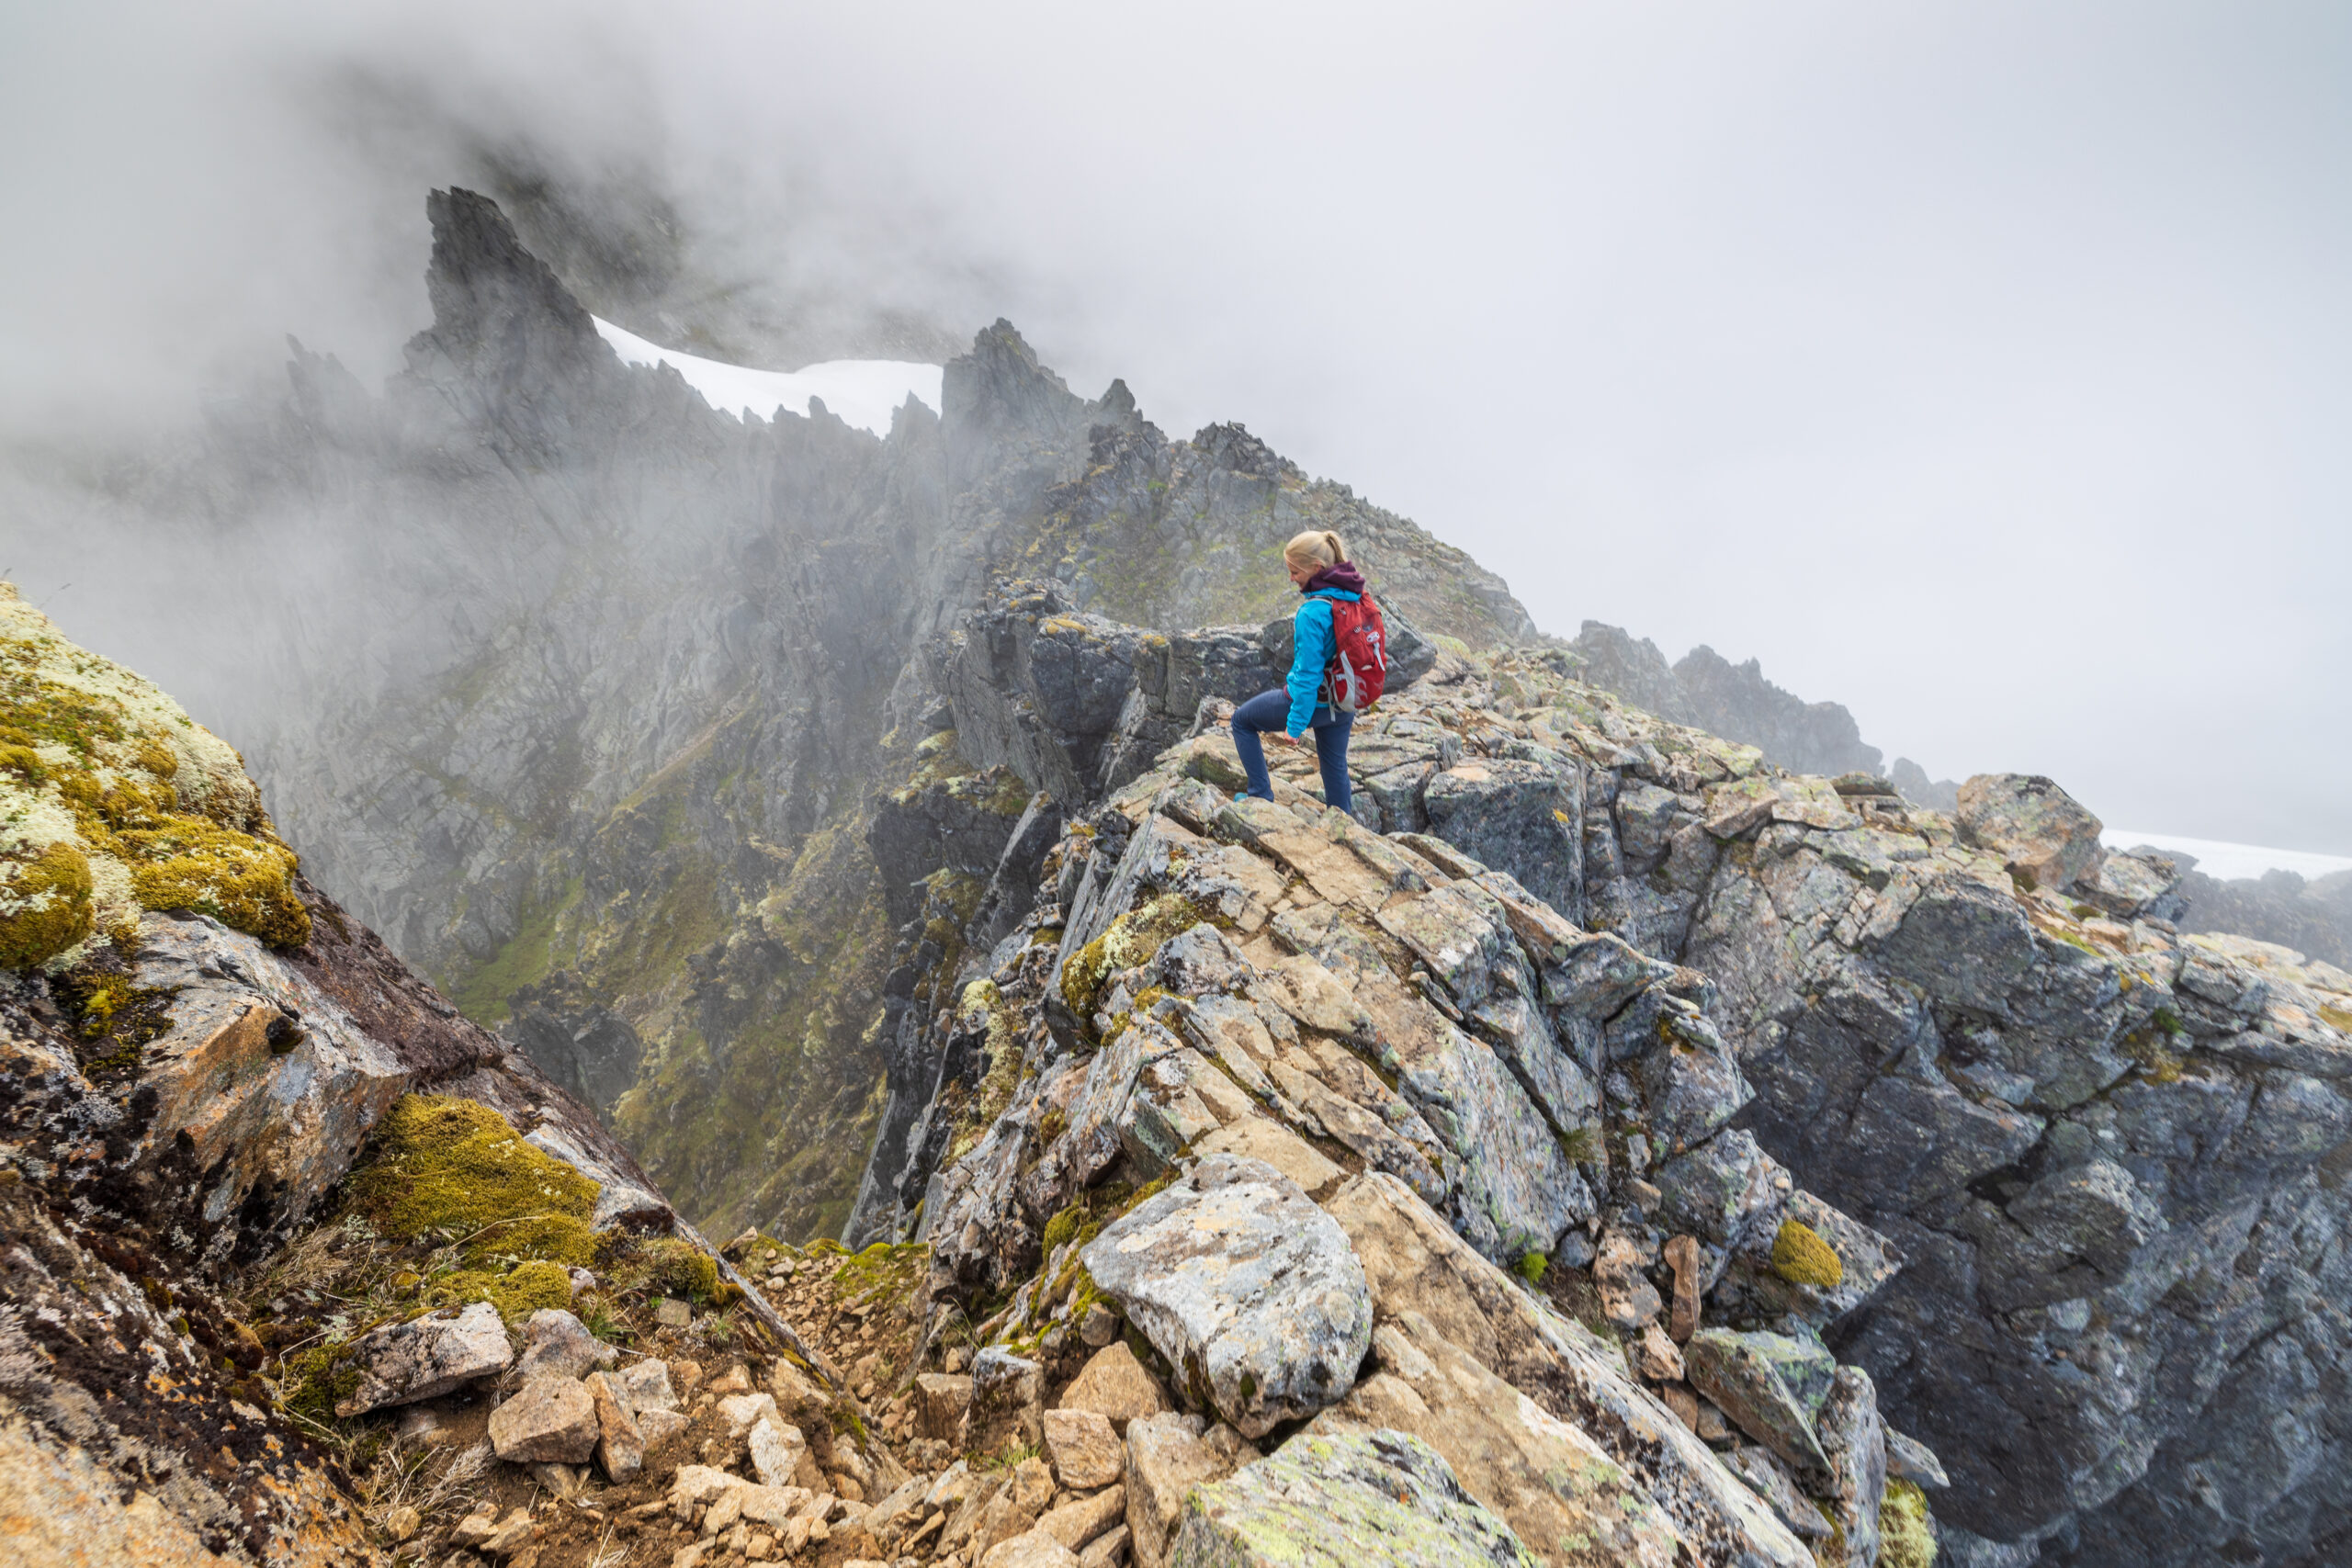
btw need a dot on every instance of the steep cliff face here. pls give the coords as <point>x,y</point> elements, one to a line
<point>2091,1168</point>
<point>599,742</point>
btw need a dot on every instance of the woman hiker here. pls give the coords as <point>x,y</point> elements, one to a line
<point>1319,566</point>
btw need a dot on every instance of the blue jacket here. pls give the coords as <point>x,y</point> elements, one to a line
<point>1313,643</point>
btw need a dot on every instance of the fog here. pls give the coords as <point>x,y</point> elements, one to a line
<point>1985,367</point>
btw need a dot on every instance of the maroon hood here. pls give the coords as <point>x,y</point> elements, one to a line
<point>1341,575</point>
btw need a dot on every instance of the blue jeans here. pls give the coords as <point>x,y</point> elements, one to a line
<point>1271,710</point>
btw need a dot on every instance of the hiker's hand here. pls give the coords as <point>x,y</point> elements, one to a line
<point>1294,738</point>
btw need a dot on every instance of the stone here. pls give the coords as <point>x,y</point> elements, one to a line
<point>1107,1549</point>
<point>1366,1500</point>
<point>1084,1449</point>
<point>1233,1271</point>
<point>658,1427</point>
<point>1083,1520</point>
<point>1681,1254</point>
<point>671,1312</point>
<point>644,1386</point>
<point>1115,1384</point>
<point>1742,1372</point>
<point>741,1412</point>
<point>1034,1549</point>
<point>1913,1460</point>
<point>776,1450</point>
<point>550,1418</point>
<point>1549,1481</point>
<point>562,1482</point>
<point>2042,836</point>
<point>1769,1477</point>
<point>942,1401</point>
<point>620,1446</point>
<point>1166,1459</point>
<point>1415,1262</point>
<point>556,1342</point>
<point>1100,1326</point>
<point>1627,1297</point>
<point>1314,996</point>
<point>513,1533</point>
<point>1854,1436</point>
<point>403,1522</point>
<point>1008,1408</point>
<point>426,1356</point>
<point>1518,817</point>
<point>1724,1193</point>
<point>1255,1137</point>
<point>1658,1360</point>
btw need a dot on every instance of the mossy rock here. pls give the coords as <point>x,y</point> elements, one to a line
<point>1801,1257</point>
<point>113,801</point>
<point>45,906</point>
<point>457,1169</point>
<point>1130,940</point>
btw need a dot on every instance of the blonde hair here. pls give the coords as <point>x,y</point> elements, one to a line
<point>1316,546</point>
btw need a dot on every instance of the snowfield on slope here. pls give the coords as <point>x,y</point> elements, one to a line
<point>864,392</point>
<point>2228,863</point>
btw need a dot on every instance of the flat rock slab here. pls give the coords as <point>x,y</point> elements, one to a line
<point>1551,1482</point>
<point>1236,1277</point>
<point>1357,1501</point>
<point>551,1420</point>
<point>1743,1373</point>
<point>402,1363</point>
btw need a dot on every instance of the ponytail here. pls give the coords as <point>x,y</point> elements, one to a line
<point>1316,548</point>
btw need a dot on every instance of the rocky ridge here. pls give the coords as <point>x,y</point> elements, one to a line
<point>2078,1172</point>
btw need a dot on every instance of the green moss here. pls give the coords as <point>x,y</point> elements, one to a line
<point>455,1170</point>
<point>2168,1021</point>
<point>1801,1257</point>
<point>2158,1062</point>
<point>677,1267</point>
<point>1531,1266</point>
<point>45,906</point>
<point>316,1380</point>
<point>243,881</point>
<point>1905,1538</point>
<point>517,1293</point>
<point>1063,1226</point>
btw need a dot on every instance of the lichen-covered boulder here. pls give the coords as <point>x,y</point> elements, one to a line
<point>2040,832</point>
<point>1248,1288</point>
<point>1358,1501</point>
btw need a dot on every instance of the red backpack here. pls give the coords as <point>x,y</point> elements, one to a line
<point>1359,667</point>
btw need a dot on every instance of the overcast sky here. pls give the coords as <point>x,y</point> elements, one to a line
<point>1984,366</point>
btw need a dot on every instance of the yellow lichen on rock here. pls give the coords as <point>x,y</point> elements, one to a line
<point>113,801</point>
<point>455,1168</point>
<point>1801,1257</point>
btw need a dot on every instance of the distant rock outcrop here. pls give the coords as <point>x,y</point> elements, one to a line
<point>1708,692</point>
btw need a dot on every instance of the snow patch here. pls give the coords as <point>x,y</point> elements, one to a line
<point>863,393</point>
<point>2228,863</point>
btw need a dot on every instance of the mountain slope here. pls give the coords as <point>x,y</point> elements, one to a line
<point>584,692</point>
